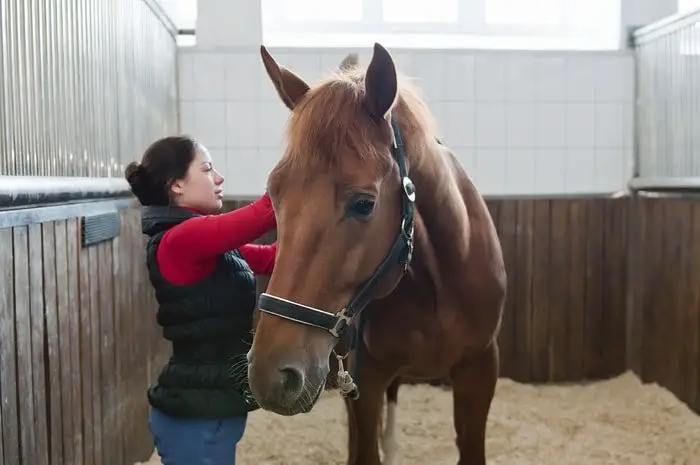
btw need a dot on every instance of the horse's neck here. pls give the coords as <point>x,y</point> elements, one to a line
<point>445,225</point>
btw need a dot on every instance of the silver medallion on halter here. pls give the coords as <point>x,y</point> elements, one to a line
<point>408,188</point>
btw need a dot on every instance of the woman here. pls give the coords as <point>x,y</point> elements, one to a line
<point>202,267</point>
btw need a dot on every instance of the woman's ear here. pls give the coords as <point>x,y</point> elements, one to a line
<point>177,187</point>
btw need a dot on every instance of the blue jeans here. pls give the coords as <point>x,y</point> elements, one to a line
<point>187,441</point>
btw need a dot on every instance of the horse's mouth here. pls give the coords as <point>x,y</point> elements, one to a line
<point>304,404</point>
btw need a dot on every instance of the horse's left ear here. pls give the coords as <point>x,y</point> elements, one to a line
<point>290,87</point>
<point>381,85</point>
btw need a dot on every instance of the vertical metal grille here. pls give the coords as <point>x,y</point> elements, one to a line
<point>668,98</point>
<point>85,86</point>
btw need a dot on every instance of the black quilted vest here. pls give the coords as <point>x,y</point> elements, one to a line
<point>209,324</point>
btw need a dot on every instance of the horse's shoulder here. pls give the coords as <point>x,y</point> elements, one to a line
<point>459,173</point>
<point>469,193</point>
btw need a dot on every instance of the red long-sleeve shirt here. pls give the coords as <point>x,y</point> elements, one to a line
<point>189,251</point>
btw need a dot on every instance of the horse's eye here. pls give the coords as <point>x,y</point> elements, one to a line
<point>360,207</point>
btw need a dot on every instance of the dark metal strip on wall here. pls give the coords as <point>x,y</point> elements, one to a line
<point>26,200</point>
<point>85,85</point>
<point>30,191</point>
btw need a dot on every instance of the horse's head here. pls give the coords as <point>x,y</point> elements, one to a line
<point>337,194</point>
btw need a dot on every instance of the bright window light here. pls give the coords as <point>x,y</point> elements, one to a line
<point>686,6</point>
<point>524,12</point>
<point>323,10</point>
<point>420,11</point>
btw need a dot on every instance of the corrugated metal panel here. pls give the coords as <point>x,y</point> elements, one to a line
<point>668,98</point>
<point>86,85</point>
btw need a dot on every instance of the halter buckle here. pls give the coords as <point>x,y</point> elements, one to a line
<point>407,229</point>
<point>342,321</point>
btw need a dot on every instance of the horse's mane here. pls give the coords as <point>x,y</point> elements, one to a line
<point>330,122</point>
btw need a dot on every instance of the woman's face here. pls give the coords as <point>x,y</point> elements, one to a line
<point>200,189</point>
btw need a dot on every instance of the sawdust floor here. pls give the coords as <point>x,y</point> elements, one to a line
<point>618,421</point>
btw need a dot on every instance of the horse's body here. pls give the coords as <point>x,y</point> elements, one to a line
<point>438,319</point>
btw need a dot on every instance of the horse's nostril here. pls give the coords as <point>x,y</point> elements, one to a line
<point>292,379</point>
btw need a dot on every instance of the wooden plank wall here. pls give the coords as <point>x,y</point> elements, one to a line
<point>78,346</point>
<point>567,283</point>
<point>566,263</point>
<point>664,303</point>
<point>596,286</point>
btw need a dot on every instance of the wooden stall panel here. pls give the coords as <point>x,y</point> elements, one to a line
<point>72,245</point>
<point>664,302</point>
<point>89,383</point>
<point>566,259</point>
<point>80,345</point>
<point>106,342</point>
<point>595,285</point>
<point>9,444</point>
<point>64,312</point>
<point>127,243</point>
<point>507,216</point>
<point>53,352</point>
<point>560,267</point>
<point>521,295</point>
<point>95,355</point>
<point>38,364</point>
<point>24,344</point>
<point>692,313</point>
<point>576,288</point>
<point>565,311</point>
<point>615,252</point>
<point>593,310</point>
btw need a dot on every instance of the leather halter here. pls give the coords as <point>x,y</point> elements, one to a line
<point>340,325</point>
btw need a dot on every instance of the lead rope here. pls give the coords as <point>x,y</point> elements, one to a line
<point>346,381</point>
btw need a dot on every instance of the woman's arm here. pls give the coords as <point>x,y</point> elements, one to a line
<point>260,257</point>
<point>209,236</point>
<point>188,251</point>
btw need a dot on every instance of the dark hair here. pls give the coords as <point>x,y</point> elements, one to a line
<point>165,161</point>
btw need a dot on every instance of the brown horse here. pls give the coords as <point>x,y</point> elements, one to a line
<point>384,246</point>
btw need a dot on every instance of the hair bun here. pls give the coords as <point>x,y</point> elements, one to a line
<point>134,174</point>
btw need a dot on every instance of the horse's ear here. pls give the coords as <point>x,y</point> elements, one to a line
<point>290,87</point>
<point>349,62</point>
<point>381,85</point>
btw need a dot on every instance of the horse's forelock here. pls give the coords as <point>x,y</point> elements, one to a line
<point>332,122</point>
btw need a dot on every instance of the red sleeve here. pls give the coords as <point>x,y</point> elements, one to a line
<point>260,257</point>
<point>188,252</point>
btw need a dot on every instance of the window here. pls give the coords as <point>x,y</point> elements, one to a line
<point>519,12</point>
<point>323,10</point>
<point>688,29</point>
<point>183,13</point>
<point>533,24</point>
<point>416,11</point>
<point>686,6</point>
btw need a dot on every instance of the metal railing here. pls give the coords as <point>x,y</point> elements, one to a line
<point>85,86</point>
<point>667,115</point>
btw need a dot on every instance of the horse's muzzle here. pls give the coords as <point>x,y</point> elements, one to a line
<point>286,389</point>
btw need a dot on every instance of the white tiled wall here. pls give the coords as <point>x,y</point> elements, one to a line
<point>520,122</point>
